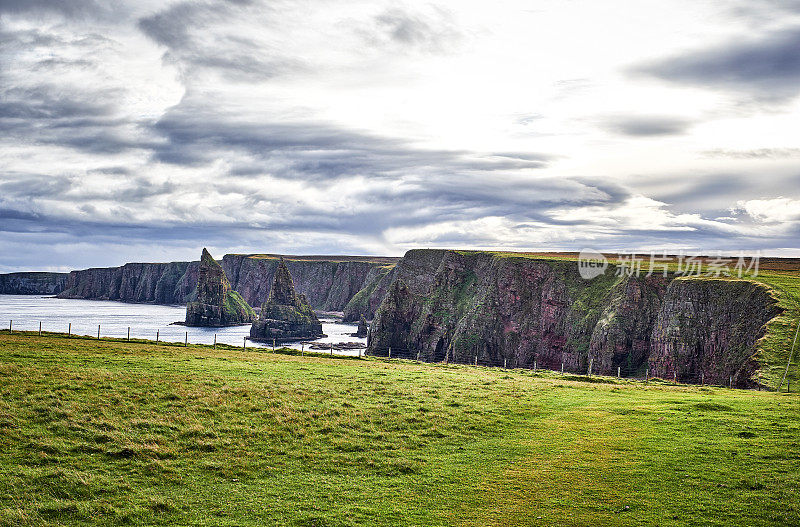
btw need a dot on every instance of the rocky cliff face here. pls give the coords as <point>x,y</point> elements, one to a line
<point>32,283</point>
<point>160,283</point>
<point>459,305</point>
<point>711,327</point>
<point>216,304</point>
<point>329,285</point>
<point>285,316</point>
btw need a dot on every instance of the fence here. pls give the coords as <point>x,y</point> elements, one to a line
<point>686,375</point>
<point>669,375</point>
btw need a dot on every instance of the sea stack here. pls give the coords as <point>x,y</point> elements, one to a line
<point>285,316</point>
<point>216,304</point>
<point>361,332</point>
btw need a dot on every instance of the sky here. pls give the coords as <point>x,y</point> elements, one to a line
<point>146,130</point>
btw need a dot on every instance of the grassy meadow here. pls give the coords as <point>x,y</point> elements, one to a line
<point>113,433</point>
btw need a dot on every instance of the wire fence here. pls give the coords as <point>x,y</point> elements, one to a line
<point>665,374</point>
<point>668,374</point>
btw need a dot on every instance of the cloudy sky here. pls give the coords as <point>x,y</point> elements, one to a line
<point>143,131</point>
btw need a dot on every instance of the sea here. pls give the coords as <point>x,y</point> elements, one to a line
<point>26,312</point>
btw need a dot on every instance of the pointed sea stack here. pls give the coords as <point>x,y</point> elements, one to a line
<point>285,316</point>
<point>216,304</point>
<point>361,332</point>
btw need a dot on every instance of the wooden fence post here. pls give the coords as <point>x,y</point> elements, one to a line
<point>69,330</point>
<point>390,352</point>
<point>98,331</point>
<point>618,369</point>
<point>129,333</point>
<point>158,334</point>
<point>186,340</point>
<point>244,343</point>
<point>40,328</point>
<point>215,341</point>
<point>10,324</point>
<point>505,363</point>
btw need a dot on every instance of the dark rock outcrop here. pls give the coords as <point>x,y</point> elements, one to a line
<point>216,304</point>
<point>285,316</point>
<point>710,327</point>
<point>329,282</point>
<point>158,283</point>
<point>361,332</point>
<point>32,283</point>
<point>517,310</point>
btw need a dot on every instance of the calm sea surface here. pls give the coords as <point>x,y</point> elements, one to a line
<point>114,318</point>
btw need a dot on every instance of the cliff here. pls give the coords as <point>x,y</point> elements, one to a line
<point>711,326</point>
<point>32,283</point>
<point>517,310</point>
<point>285,316</point>
<point>159,283</point>
<point>216,304</point>
<point>329,283</point>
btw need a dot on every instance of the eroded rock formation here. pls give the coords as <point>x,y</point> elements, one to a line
<point>361,332</point>
<point>216,304</point>
<point>711,327</point>
<point>32,283</point>
<point>517,310</point>
<point>329,283</point>
<point>285,316</point>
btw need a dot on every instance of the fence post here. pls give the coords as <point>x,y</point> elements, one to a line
<point>505,363</point>
<point>702,378</point>
<point>129,333</point>
<point>331,348</point>
<point>390,352</point>
<point>618,368</point>
<point>273,344</point>
<point>69,330</point>
<point>674,376</point>
<point>562,367</point>
<point>40,328</point>
<point>98,331</point>
<point>646,374</point>
<point>215,341</point>
<point>730,382</point>
<point>158,334</point>
<point>10,324</point>
<point>244,343</point>
<point>186,340</point>
<point>535,367</point>
<point>589,373</point>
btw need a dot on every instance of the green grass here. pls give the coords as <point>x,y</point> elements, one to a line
<point>108,433</point>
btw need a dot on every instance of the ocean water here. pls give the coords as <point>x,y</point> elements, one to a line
<point>144,320</point>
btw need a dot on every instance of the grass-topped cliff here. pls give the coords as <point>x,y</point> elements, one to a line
<point>535,308</point>
<point>109,432</point>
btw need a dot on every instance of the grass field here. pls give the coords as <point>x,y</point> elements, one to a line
<point>103,432</point>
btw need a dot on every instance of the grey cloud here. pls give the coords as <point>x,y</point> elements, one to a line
<point>433,32</point>
<point>188,31</point>
<point>767,67</point>
<point>196,134</point>
<point>646,126</point>
<point>758,153</point>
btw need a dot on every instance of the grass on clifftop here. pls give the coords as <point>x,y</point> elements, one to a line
<point>108,433</point>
